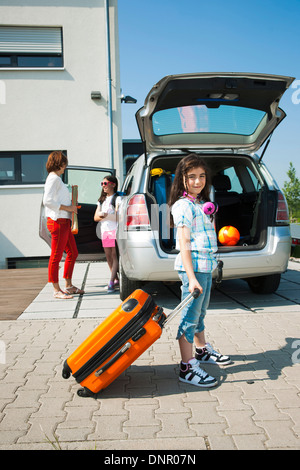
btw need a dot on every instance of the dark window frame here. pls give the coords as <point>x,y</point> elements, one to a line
<point>17,157</point>
<point>14,60</point>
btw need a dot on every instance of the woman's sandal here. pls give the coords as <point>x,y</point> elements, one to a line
<point>62,295</point>
<point>74,290</point>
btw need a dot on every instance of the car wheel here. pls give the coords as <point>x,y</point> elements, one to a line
<point>264,284</point>
<point>127,286</point>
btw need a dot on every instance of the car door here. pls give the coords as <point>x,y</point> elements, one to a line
<point>88,180</point>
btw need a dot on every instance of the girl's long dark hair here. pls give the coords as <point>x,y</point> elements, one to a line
<point>112,179</point>
<point>179,185</point>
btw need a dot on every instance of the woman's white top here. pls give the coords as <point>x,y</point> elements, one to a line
<point>110,221</point>
<point>56,194</point>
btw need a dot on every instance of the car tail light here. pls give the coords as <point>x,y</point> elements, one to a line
<point>282,212</point>
<point>137,217</point>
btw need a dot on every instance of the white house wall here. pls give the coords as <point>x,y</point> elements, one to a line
<point>52,109</point>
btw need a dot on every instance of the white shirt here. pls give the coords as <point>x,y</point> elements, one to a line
<point>56,194</point>
<point>110,221</point>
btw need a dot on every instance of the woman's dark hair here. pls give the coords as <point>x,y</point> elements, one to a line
<point>111,179</point>
<point>179,184</point>
<point>55,161</point>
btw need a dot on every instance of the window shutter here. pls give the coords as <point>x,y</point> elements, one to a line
<point>32,40</point>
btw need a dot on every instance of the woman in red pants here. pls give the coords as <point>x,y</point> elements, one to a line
<point>58,210</point>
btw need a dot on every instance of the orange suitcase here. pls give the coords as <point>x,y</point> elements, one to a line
<point>118,341</point>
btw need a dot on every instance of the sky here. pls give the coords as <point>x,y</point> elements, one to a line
<point>165,37</point>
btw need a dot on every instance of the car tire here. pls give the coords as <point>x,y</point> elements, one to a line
<point>127,286</point>
<point>264,284</point>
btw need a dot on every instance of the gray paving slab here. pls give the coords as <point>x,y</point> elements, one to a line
<point>254,406</point>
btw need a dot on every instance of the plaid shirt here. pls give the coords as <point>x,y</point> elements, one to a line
<point>202,232</point>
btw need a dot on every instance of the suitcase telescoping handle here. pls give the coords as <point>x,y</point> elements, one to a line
<point>181,306</point>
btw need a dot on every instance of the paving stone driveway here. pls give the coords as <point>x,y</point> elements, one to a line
<point>255,405</point>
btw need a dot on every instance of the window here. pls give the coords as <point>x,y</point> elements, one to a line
<point>243,179</point>
<point>235,182</point>
<point>128,186</point>
<point>30,46</point>
<point>33,167</point>
<point>23,167</point>
<point>222,119</point>
<point>88,182</point>
<point>7,170</point>
<point>256,183</point>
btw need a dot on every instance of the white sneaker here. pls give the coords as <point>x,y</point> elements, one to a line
<point>208,355</point>
<point>192,374</point>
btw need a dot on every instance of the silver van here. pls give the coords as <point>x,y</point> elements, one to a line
<point>226,118</point>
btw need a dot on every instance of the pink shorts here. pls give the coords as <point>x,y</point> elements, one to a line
<point>109,239</point>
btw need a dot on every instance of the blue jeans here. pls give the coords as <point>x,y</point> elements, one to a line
<point>192,316</point>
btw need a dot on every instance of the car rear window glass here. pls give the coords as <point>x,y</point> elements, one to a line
<point>220,119</point>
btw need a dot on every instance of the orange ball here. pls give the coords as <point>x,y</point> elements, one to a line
<point>229,235</point>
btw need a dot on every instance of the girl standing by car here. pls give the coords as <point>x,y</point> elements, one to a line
<point>58,210</point>
<point>196,239</point>
<point>106,214</point>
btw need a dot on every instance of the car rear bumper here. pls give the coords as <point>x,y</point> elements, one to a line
<point>143,260</point>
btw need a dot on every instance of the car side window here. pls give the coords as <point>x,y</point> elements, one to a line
<point>255,181</point>
<point>234,179</point>
<point>127,188</point>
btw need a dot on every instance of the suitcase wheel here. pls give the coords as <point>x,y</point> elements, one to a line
<point>86,393</point>
<point>66,372</point>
